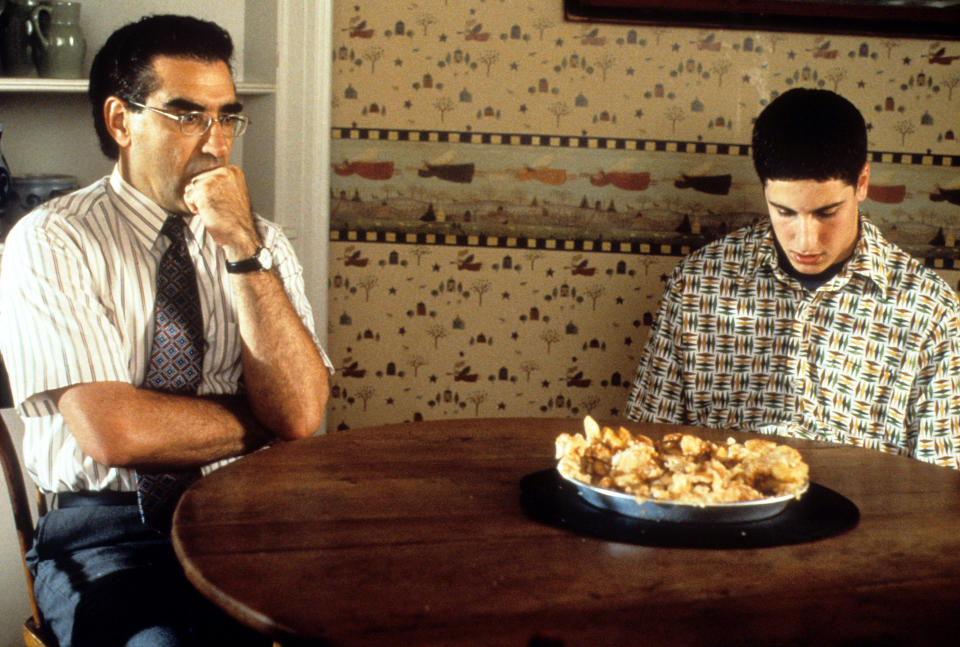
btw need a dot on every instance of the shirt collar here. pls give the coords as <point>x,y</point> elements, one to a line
<point>868,260</point>
<point>145,216</point>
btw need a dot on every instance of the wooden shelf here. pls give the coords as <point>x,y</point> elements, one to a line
<point>79,86</point>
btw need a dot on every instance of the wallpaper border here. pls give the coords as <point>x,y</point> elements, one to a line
<point>579,243</point>
<point>604,143</point>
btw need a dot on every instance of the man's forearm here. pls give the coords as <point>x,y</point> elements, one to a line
<point>119,425</point>
<point>285,376</point>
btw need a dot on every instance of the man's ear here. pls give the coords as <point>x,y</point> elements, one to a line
<point>863,182</point>
<point>116,116</point>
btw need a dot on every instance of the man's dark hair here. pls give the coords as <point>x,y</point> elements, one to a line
<point>123,68</point>
<point>807,134</point>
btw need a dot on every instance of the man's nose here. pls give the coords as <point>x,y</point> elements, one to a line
<point>808,233</point>
<point>217,143</point>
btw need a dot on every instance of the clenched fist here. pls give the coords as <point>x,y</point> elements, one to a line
<point>220,198</point>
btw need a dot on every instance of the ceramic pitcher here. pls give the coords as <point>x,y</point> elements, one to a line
<point>17,37</point>
<point>60,42</point>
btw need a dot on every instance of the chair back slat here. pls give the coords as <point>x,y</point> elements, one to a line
<point>23,520</point>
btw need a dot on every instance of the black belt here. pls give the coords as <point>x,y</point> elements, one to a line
<point>106,497</point>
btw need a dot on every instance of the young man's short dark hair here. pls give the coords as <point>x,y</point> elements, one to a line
<point>122,67</point>
<point>807,134</point>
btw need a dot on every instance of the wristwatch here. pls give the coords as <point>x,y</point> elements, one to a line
<point>261,261</point>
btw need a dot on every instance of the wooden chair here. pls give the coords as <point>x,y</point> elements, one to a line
<point>35,632</point>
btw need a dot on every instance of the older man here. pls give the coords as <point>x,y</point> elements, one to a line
<point>153,328</point>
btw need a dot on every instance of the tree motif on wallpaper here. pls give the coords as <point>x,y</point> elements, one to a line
<point>467,42</point>
<point>440,138</point>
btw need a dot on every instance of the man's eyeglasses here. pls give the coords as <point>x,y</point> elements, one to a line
<point>195,124</point>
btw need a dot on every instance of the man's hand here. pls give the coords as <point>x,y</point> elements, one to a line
<point>220,198</point>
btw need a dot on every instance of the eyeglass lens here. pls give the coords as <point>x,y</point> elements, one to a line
<point>197,123</point>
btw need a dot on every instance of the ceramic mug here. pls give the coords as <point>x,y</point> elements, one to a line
<point>60,43</point>
<point>17,37</point>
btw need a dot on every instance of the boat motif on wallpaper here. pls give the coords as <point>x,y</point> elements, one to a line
<point>351,368</point>
<point>949,193</point>
<point>708,43</point>
<point>358,28</point>
<point>938,55</point>
<point>466,261</point>
<point>367,166</point>
<point>443,168</point>
<point>622,176</point>
<point>353,258</point>
<point>461,373</point>
<point>823,51</point>
<point>705,180</point>
<point>541,171</point>
<point>474,31</point>
<point>883,188</point>
<point>576,379</point>
<point>580,266</point>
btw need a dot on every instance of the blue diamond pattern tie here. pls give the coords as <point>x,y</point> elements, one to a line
<point>176,362</point>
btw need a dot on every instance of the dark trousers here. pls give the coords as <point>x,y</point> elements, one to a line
<point>103,578</point>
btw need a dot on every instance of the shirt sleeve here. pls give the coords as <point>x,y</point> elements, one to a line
<point>657,393</point>
<point>288,268</point>
<point>56,330</point>
<point>933,425</point>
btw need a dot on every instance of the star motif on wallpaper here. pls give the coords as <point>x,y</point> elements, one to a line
<point>676,47</point>
<point>523,107</point>
<point>746,78</point>
<point>615,412</point>
<point>389,400</point>
<point>791,55</point>
<point>433,378</point>
<point>559,42</point>
<point>906,60</point>
<point>550,272</point>
<point>639,113</point>
<point>861,84</point>
<point>505,295</point>
<point>631,71</point>
<point>514,66</point>
<point>546,384</point>
<point>392,290</point>
<point>436,267</point>
<point>408,104</point>
<point>443,38</point>
<point>402,331</point>
<point>502,406</point>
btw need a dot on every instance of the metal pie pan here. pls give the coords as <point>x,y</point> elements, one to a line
<point>653,510</point>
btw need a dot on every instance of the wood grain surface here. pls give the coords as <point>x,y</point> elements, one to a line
<point>413,534</point>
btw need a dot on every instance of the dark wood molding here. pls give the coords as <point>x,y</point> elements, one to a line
<point>911,19</point>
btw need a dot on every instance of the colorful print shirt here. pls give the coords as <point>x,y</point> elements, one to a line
<point>871,358</point>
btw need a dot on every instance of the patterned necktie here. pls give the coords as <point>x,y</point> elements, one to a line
<point>176,363</point>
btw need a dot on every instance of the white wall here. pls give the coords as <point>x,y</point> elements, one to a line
<point>14,607</point>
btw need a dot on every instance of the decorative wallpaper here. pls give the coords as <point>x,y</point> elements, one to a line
<point>509,190</point>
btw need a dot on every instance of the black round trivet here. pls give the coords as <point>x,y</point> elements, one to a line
<point>820,513</point>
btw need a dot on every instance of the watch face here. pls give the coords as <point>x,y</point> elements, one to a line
<point>265,258</point>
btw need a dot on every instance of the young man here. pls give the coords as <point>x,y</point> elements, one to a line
<point>104,415</point>
<point>810,324</point>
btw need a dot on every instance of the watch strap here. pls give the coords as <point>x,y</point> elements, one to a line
<point>251,264</point>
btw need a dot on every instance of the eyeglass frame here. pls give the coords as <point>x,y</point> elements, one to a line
<point>242,120</point>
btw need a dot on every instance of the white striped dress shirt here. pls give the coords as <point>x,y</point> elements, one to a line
<point>77,288</point>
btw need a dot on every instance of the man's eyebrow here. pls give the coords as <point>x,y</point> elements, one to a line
<point>826,207</point>
<point>186,105</point>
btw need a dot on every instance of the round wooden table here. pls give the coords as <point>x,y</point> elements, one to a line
<point>414,534</point>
